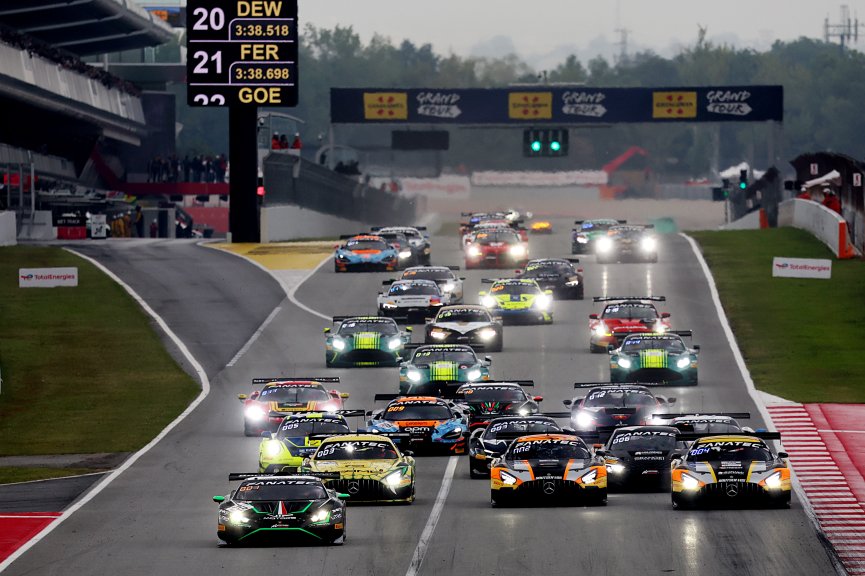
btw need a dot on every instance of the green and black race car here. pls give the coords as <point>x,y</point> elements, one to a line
<point>583,237</point>
<point>518,300</point>
<point>440,369</point>
<point>364,341</point>
<point>655,357</point>
<point>275,507</point>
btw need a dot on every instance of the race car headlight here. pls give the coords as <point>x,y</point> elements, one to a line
<point>342,257</point>
<point>589,477</point>
<point>660,328</point>
<point>389,305</point>
<point>601,330</point>
<point>584,420</point>
<point>615,468</point>
<point>508,479</point>
<point>413,375</point>
<point>405,254</point>
<point>320,515</point>
<point>487,334</point>
<point>543,301</point>
<point>683,362</point>
<point>328,407</point>
<point>393,479</point>
<point>394,343</point>
<point>473,251</point>
<point>474,374</point>
<point>523,411</point>
<point>455,433</point>
<point>489,302</point>
<point>604,244</point>
<point>339,343</point>
<point>273,448</point>
<point>449,287</point>
<point>517,251</point>
<point>255,413</point>
<point>624,363</point>
<point>649,244</point>
<point>439,334</point>
<point>238,517</point>
<point>773,480</point>
<point>583,239</point>
<point>574,282</point>
<point>689,482</point>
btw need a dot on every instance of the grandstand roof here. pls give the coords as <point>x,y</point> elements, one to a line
<point>86,27</point>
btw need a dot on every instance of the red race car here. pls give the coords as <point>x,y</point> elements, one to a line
<point>496,248</point>
<point>625,315</point>
<point>264,409</point>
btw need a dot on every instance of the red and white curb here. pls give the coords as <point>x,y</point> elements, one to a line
<point>838,510</point>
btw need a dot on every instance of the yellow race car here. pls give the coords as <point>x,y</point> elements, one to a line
<point>370,466</point>
<point>731,469</point>
<point>287,447</point>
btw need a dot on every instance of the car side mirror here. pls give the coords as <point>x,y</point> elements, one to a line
<point>407,453</point>
<point>242,397</point>
<point>326,331</point>
<point>580,270</point>
<point>783,455</point>
<point>665,314</point>
<point>344,395</point>
<point>409,329</point>
<point>518,272</point>
<point>482,293</point>
<point>567,402</point>
<point>697,347</point>
<point>568,430</point>
<point>593,316</point>
<point>488,360</point>
<point>538,398</point>
<point>266,434</point>
<point>219,499</point>
<point>462,278</point>
<point>548,292</point>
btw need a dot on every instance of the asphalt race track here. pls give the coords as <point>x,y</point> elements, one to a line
<point>158,518</point>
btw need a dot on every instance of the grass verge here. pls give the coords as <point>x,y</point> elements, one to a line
<point>83,369</point>
<point>10,474</point>
<point>801,338</point>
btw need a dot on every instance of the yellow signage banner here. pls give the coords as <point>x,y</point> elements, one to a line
<point>385,106</point>
<point>674,105</point>
<point>530,105</point>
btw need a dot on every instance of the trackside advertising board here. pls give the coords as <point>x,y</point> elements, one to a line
<point>47,277</point>
<point>801,268</point>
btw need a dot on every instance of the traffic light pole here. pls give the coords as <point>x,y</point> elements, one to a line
<point>243,154</point>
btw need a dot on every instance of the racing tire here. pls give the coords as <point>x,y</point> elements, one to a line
<point>497,347</point>
<point>339,540</point>
<point>327,362</point>
<point>247,431</point>
<point>496,503</point>
<point>679,504</point>
<point>597,349</point>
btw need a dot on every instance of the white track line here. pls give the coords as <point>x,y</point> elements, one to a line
<point>435,514</point>
<point>102,484</point>
<point>254,336</point>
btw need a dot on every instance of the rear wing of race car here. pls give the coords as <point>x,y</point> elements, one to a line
<point>579,385</point>
<point>322,380</point>
<point>690,436</point>
<point>285,471</point>
<point>737,415</point>
<point>683,333</point>
<point>526,383</point>
<point>351,413</point>
<point>617,298</point>
<point>338,319</point>
<point>412,346</point>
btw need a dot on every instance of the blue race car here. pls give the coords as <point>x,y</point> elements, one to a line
<point>439,369</point>
<point>433,423</point>
<point>365,252</point>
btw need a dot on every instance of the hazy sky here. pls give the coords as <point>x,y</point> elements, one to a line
<point>544,29</point>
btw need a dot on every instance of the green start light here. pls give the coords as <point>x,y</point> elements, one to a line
<point>536,145</point>
<point>743,185</point>
<point>555,145</point>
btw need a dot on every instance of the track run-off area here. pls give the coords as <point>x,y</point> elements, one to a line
<point>157,517</point>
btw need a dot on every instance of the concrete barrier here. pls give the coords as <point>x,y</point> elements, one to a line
<point>751,221</point>
<point>280,223</point>
<point>827,225</point>
<point>41,227</point>
<point>8,232</point>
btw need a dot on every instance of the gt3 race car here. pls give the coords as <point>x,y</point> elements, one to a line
<point>370,466</point>
<point>410,299</point>
<point>400,241</point>
<point>557,275</point>
<point>496,248</point>
<point>622,316</point>
<point>640,456</point>
<point>418,241</point>
<point>548,468</point>
<point>491,442</point>
<point>471,325</point>
<point>518,300</point>
<point>583,237</point>
<point>607,406</point>
<point>290,444</point>
<point>430,422</point>
<point>364,341</point>
<point>264,409</point>
<point>483,401</point>
<point>731,469</point>
<point>655,358</point>
<point>439,369</point>
<point>267,506</point>
<point>365,253</point>
<point>627,244</point>
<point>448,282</point>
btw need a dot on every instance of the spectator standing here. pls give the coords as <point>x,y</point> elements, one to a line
<point>139,222</point>
<point>296,143</point>
<point>804,194</point>
<point>832,202</point>
<point>274,141</point>
<point>283,142</point>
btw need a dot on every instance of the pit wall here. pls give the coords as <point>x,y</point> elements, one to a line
<point>8,232</point>
<point>287,222</point>
<point>827,225</point>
